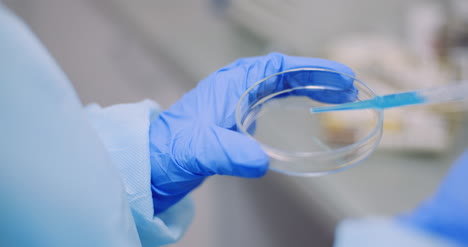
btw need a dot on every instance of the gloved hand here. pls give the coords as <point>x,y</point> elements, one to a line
<point>446,212</point>
<point>197,137</point>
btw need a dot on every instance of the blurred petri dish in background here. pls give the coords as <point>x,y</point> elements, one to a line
<point>276,113</point>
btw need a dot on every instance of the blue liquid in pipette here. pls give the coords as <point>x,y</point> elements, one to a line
<point>401,99</point>
<point>449,93</point>
<point>378,102</point>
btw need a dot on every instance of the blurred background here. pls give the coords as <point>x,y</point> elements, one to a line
<point>117,51</point>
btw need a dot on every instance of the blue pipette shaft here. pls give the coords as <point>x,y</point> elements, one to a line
<point>454,92</point>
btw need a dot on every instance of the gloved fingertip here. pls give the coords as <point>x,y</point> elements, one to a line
<point>247,157</point>
<point>238,155</point>
<point>252,168</point>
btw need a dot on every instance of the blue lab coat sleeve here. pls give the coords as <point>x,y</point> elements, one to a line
<point>385,232</point>
<point>124,130</point>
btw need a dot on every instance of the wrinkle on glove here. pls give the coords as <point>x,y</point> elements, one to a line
<point>124,132</point>
<point>196,137</point>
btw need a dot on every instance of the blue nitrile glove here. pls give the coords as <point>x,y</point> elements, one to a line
<point>197,137</point>
<point>446,213</point>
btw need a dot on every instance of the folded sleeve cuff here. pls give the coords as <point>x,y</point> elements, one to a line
<point>124,130</point>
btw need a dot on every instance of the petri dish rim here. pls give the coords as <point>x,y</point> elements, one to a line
<point>377,129</point>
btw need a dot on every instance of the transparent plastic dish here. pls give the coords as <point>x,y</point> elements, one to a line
<point>275,111</point>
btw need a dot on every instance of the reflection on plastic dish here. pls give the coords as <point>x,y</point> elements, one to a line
<point>276,112</point>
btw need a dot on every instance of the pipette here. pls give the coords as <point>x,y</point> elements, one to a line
<point>449,93</point>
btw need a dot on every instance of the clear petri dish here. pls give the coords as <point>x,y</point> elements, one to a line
<point>275,111</point>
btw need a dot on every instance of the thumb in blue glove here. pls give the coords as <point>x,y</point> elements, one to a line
<point>196,137</point>
<point>446,213</point>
